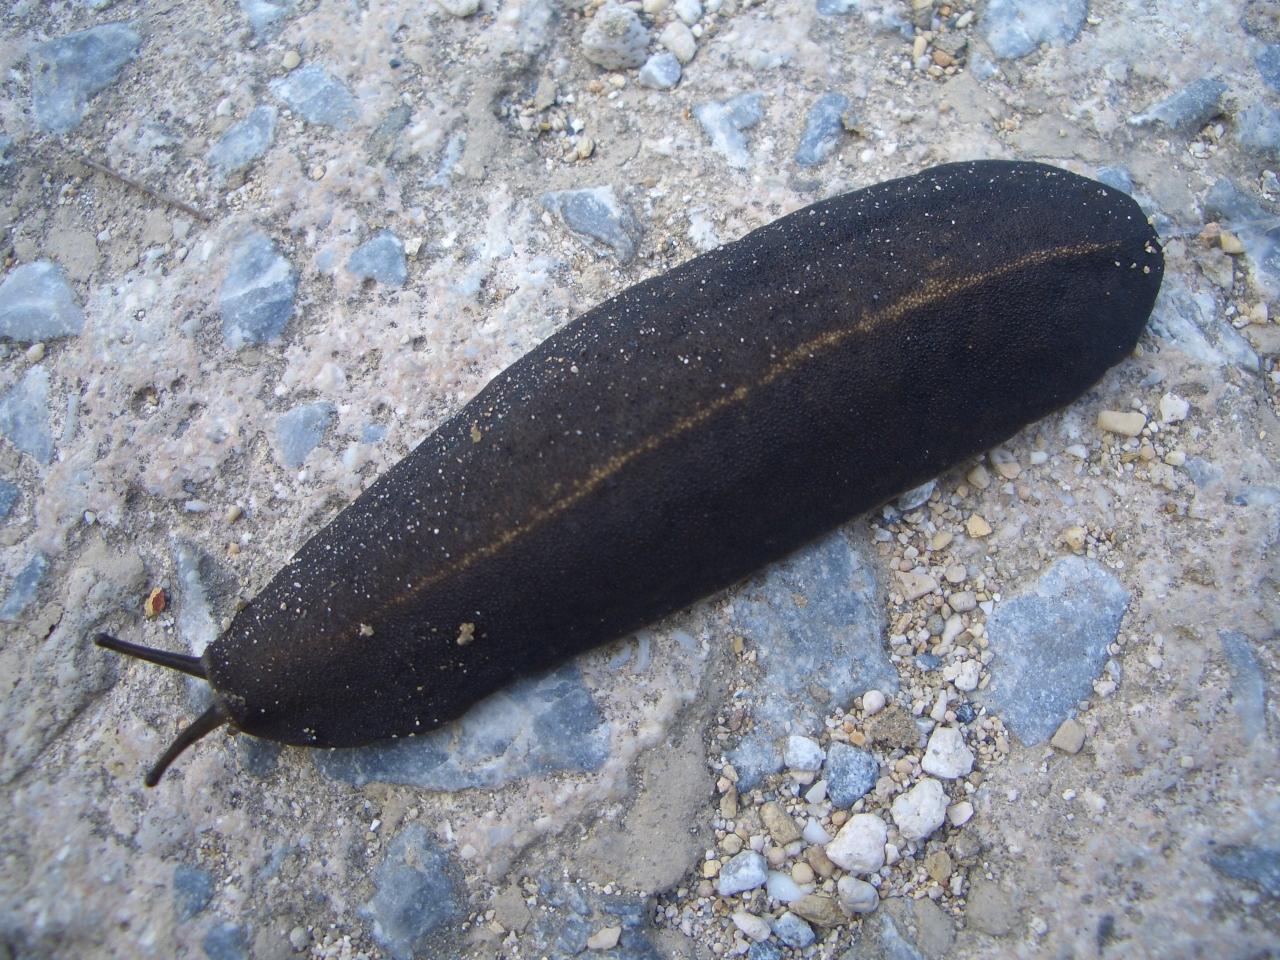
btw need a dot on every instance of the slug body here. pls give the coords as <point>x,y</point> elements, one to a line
<point>682,434</point>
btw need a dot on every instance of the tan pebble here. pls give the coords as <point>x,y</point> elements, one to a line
<point>1230,243</point>
<point>916,585</point>
<point>605,938</point>
<point>35,353</point>
<point>956,573</point>
<point>817,858</point>
<point>710,868</point>
<point>1003,462</point>
<point>778,822</point>
<point>731,844</point>
<point>857,738</point>
<point>729,803</point>
<point>818,909</point>
<point>802,873</point>
<point>234,513</point>
<point>902,767</point>
<point>1074,537</point>
<point>976,526</point>
<point>1126,423</point>
<point>839,817</point>
<point>1175,458</point>
<point>979,477</point>
<point>938,866</point>
<point>318,172</point>
<point>728,771</point>
<point>1069,737</point>
<point>941,540</point>
<point>585,147</point>
<point>960,813</point>
<point>943,59</point>
<point>291,59</point>
<point>775,856</point>
<point>1147,452</point>
<point>918,47</point>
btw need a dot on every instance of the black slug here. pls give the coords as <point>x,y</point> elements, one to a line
<point>694,427</point>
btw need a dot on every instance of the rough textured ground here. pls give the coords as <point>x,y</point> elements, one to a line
<point>1030,709</point>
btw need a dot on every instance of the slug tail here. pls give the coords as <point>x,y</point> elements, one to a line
<point>204,724</point>
<point>174,661</point>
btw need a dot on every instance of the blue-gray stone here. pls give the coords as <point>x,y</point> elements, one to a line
<point>724,121</point>
<point>8,497</point>
<point>258,757</point>
<point>1050,643</point>
<point>24,588</point>
<point>1202,472</point>
<point>67,72</point>
<point>256,299</point>
<point>1257,866</point>
<point>6,143</point>
<point>534,727</point>
<point>660,72</point>
<point>192,890</point>
<point>36,304</point>
<point>245,142</point>
<point>415,896</point>
<point>916,496</point>
<point>1257,227</point>
<point>1190,320</point>
<point>382,142</point>
<point>226,941</point>
<point>318,97</point>
<point>265,15</point>
<point>823,128</point>
<point>882,15</point>
<point>1015,28</point>
<point>838,8</point>
<point>1248,683</point>
<point>24,415</point>
<point>965,713</point>
<point>1258,130</point>
<point>744,871</point>
<point>832,642</point>
<point>373,433</point>
<point>928,661</point>
<point>1118,178</point>
<point>380,259</point>
<point>1268,63</point>
<point>300,431</point>
<point>793,931</point>
<point>850,773</point>
<point>766,950</point>
<point>1187,110</point>
<point>596,216</point>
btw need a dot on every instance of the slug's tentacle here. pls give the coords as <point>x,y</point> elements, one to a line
<point>174,661</point>
<point>204,724</point>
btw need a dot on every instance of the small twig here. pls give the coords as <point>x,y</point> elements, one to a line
<point>130,182</point>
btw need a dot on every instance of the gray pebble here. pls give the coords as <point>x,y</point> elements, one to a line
<point>823,128</point>
<point>415,895</point>
<point>8,497</point>
<point>1117,178</point>
<point>300,431</point>
<point>616,38</point>
<point>1257,866</point>
<point>226,941</point>
<point>916,497</point>
<point>850,773</point>
<point>1187,110</point>
<point>764,951</point>
<point>382,142</point>
<point>1248,684</point>
<point>24,415</point>
<point>192,890</point>
<point>256,299</point>
<point>536,726</point>
<point>793,931</point>
<point>24,588</point>
<point>380,259</point>
<point>318,97</point>
<point>660,72</point>
<point>1202,472</point>
<point>724,121</point>
<point>245,142</point>
<point>373,433</point>
<point>1258,130</point>
<point>596,216</point>
<point>1050,643</point>
<point>746,871</point>
<point>927,661</point>
<point>1015,28</point>
<point>36,304</point>
<point>885,16</point>
<point>299,939</point>
<point>66,73</point>
<point>265,15</point>
<point>1268,63</point>
<point>832,643</point>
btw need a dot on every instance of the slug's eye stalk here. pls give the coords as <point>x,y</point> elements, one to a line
<point>204,724</point>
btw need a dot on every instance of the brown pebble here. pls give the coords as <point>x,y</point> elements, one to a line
<point>155,603</point>
<point>819,909</point>
<point>895,727</point>
<point>817,858</point>
<point>938,865</point>
<point>729,804</point>
<point>1070,736</point>
<point>778,822</point>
